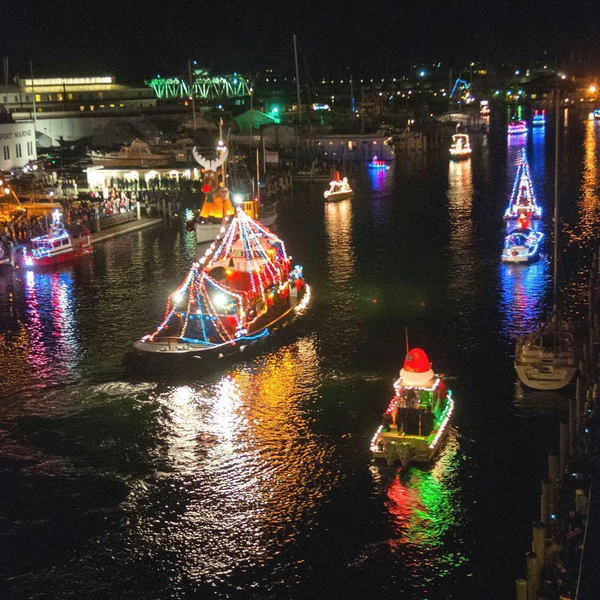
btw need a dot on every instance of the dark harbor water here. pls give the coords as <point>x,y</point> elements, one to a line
<point>256,482</point>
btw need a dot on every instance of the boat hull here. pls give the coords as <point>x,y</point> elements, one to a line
<point>407,449</point>
<point>460,156</point>
<point>520,259</point>
<point>545,376</point>
<point>153,356</point>
<point>59,258</point>
<point>338,196</point>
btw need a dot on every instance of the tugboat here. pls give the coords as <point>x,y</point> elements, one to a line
<point>338,190</point>
<point>417,417</point>
<point>522,245</point>
<point>461,148</point>
<point>522,199</point>
<point>238,295</point>
<point>517,127</point>
<point>56,247</point>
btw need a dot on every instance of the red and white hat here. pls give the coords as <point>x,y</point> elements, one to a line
<point>416,370</point>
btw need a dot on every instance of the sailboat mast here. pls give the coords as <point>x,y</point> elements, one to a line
<point>192,92</point>
<point>556,228</point>
<point>297,79</point>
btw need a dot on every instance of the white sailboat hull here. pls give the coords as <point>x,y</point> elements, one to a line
<point>545,376</point>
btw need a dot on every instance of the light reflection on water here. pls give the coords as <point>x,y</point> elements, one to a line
<point>523,293</point>
<point>252,470</point>
<point>424,508</point>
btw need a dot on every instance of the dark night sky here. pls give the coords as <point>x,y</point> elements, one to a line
<point>134,40</point>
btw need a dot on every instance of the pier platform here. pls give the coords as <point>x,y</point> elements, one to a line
<point>117,230</point>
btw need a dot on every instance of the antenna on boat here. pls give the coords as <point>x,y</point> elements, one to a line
<point>406,336</point>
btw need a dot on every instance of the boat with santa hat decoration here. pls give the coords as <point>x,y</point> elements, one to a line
<point>239,294</point>
<point>416,420</point>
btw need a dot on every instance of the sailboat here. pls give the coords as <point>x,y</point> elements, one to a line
<point>547,358</point>
<point>522,199</point>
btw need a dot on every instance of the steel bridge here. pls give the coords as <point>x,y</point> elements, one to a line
<point>204,86</point>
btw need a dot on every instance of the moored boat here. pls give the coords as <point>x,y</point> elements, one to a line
<point>461,147</point>
<point>522,199</point>
<point>338,190</point>
<point>57,247</point>
<point>238,295</point>
<point>417,418</point>
<point>547,359</point>
<point>136,154</point>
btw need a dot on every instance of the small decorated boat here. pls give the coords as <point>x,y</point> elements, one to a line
<point>338,190</point>
<point>57,247</point>
<point>517,127</point>
<point>377,163</point>
<point>522,199</point>
<point>539,118</point>
<point>461,148</point>
<point>417,418</point>
<point>238,295</point>
<point>522,245</point>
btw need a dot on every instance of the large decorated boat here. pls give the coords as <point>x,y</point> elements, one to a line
<point>522,199</point>
<point>461,147</point>
<point>240,293</point>
<point>339,189</point>
<point>417,417</point>
<point>57,247</point>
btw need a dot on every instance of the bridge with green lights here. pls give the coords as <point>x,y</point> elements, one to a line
<point>204,86</point>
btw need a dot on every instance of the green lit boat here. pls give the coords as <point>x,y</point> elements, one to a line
<point>416,420</point>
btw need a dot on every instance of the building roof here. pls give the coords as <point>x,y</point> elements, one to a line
<point>253,119</point>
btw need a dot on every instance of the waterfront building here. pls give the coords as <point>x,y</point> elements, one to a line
<point>17,145</point>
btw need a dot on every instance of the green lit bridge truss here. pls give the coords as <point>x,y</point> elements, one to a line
<point>204,86</point>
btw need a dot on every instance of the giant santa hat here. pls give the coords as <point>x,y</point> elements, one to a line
<point>416,370</point>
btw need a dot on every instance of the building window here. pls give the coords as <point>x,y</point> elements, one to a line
<point>100,94</point>
<point>29,148</point>
<point>82,107</point>
<point>70,96</point>
<point>18,150</point>
<point>38,98</point>
<point>6,153</point>
<point>26,98</point>
<point>59,97</point>
<point>49,97</point>
<point>16,98</point>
